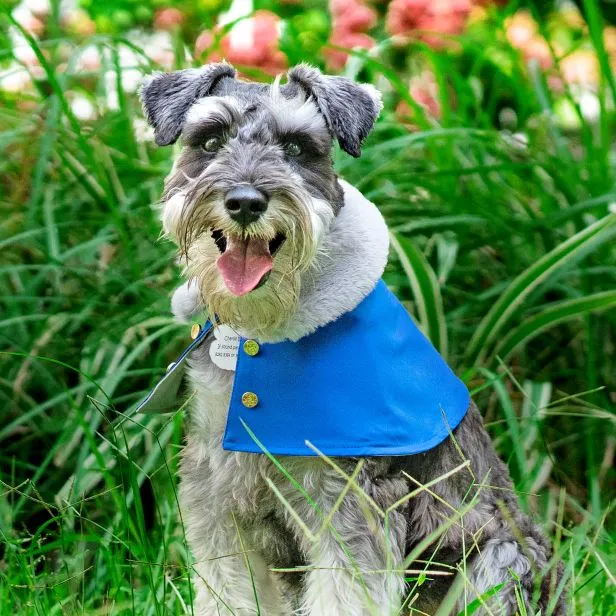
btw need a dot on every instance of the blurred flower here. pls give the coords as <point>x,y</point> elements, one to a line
<point>252,42</point>
<point>158,46</point>
<point>143,132</point>
<point>581,68</point>
<point>29,22</point>
<point>82,108</point>
<point>478,14</point>
<point>204,43</point>
<point>89,60</point>
<point>168,19</point>
<point>350,20</point>
<point>521,28</point>
<point>131,69</point>
<point>432,18</point>
<point>590,106</point>
<point>539,51</point>
<point>572,17</point>
<point>131,79</point>
<point>112,100</point>
<point>352,15</point>
<point>78,22</point>
<point>22,50</point>
<point>424,91</point>
<point>609,40</point>
<point>15,78</point>
<point>335,58</point>
<point>523,34</point>
<point>518,141</point>
<point>40,8</point>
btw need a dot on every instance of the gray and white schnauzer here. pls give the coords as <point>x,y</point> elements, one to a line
<point>275,246</point>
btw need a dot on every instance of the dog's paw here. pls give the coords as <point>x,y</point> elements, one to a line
<point>186,302</point>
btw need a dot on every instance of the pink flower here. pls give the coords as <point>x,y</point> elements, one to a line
<point>581,68</point>
<point>539,51</point>
<point>250,42</point>
<point>203,43</point>
<point>168,19</point>
<point>521,28</point>
<point>336,59</point>
<point>435,17</point>
<point>78,22</point>
<point>28,21</point>
<point>424,91</point>
<point>90,59</point>
<point>523,34</point>
<point>351,18</point>
<point>352,15</point>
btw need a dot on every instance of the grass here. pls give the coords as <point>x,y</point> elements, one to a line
<point>505,254</point>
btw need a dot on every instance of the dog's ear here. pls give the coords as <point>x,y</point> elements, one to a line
<point>167,97</point>
<point>350,109</point>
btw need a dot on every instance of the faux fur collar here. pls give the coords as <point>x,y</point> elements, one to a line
<point>350,261</point>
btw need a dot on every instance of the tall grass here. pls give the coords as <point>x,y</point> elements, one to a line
<point>503,251</point>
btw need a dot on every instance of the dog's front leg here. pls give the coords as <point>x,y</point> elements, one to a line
<point>230,576</point>
<point>354,563</point>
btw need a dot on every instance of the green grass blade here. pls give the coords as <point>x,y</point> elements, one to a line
<point>555,314</point>
<point>595,26</point>
<point>475,604</point>
<point>426,291</point>
<point>499,316</point>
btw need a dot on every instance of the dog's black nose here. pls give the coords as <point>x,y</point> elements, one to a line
<point>245,204</point>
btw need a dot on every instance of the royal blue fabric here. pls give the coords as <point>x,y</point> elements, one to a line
<point>368,384</point>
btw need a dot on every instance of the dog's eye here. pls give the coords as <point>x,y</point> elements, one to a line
<point>292,148</point>
<point>213,144</point>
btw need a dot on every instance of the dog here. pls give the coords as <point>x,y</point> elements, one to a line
<point>277,248</point>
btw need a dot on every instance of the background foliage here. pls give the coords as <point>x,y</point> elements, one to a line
<point>493,163</point>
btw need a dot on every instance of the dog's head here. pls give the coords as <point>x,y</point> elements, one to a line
<point>253,191</point>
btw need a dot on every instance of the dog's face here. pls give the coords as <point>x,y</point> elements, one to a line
<point>253,191</point>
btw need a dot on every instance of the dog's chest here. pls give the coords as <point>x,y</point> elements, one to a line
<point>211,387</point>
<point>236,477</point>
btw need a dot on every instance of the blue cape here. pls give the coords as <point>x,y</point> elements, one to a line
<point>367,384</point>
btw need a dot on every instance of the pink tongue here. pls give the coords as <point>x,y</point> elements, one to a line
<point>244,263</point>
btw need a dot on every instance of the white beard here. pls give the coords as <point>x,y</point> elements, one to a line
<point>349,261</point>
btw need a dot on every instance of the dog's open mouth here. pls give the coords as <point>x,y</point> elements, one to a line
<point>245,262</point>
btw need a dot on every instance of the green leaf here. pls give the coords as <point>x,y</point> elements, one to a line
<point>513,425</point>
<point>556,313</point>
<point>426,291</point>
<point>596,24</point>
<point>474,605</point>
<point>501,313</point>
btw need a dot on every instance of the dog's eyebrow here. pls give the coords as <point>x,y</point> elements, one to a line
<point>294,114</point>
<point>197,133</point>
<point>212,114</point>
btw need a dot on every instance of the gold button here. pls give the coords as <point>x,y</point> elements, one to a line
<point>170,366</point>
<point>195,330</point>
<point>250,399</point>
<point>251,347</point>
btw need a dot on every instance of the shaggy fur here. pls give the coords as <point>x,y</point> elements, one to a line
<point>318,545</point>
